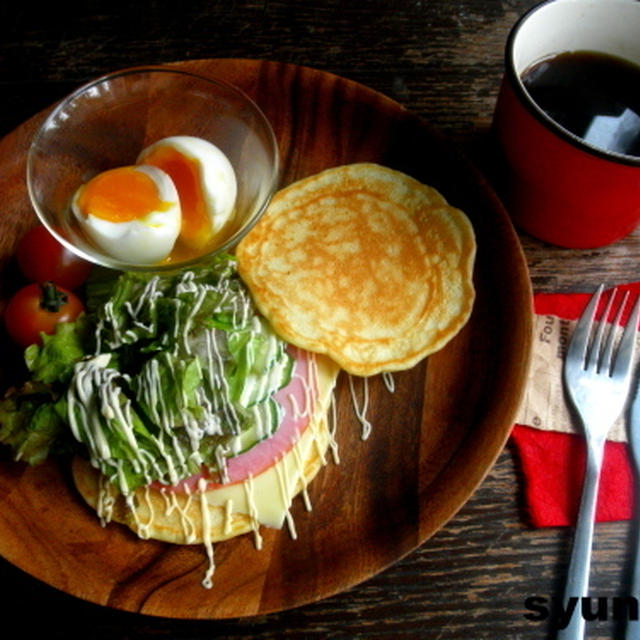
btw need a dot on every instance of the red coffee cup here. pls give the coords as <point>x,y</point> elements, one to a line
<point>560,188</point>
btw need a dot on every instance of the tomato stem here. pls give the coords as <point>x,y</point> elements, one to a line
<point>51,298</point>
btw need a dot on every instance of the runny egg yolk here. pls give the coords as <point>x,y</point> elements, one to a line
<point>186,175</point>
<point>121,195</point>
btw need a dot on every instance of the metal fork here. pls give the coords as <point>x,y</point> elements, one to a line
<point>598,385</point>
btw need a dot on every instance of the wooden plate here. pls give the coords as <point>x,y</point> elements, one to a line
<point>433,439</point>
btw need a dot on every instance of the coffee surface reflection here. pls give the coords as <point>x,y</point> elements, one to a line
<point>593,95</point>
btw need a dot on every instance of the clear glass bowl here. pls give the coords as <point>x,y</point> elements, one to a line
<point>107,122</point>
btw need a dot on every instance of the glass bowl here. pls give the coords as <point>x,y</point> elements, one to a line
<point>109,121</point>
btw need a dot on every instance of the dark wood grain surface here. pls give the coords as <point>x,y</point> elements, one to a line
<point>442,60</point>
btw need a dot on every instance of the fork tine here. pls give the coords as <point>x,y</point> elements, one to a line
<point>580,340</point>
<point>607,355</point>
<point>594,358</point>
<point>624,358</point>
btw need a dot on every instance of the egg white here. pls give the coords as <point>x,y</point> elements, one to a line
<point>218,178</point>
<point>146,240</point>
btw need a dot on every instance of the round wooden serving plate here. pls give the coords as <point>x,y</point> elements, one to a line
<point>433,439</point>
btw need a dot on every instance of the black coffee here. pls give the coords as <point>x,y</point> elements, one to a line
<point>593,95</point>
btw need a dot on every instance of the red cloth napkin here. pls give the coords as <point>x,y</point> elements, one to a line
<point>552,463</point>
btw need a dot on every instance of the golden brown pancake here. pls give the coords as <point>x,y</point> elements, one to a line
<point>364,264</point>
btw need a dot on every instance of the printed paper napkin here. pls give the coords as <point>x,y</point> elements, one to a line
<point>547,439</point>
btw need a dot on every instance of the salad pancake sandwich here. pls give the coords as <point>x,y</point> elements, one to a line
<point>190,420</point>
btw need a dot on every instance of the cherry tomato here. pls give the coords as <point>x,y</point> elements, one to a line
<point>42,258</point>
<point>38,308</point>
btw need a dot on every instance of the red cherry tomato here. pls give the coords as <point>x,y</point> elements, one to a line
<point>38,308</point>
<point>42,258</point>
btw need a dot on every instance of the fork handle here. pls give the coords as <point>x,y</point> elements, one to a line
<point>577,583</point>
<point>632,630</point>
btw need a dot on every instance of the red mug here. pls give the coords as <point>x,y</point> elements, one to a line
<point>560,188</point>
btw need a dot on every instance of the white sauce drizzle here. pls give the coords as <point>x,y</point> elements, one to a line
<point>255,525</point>
<point>285,495</point>
<point>333,428</point>
<point>143,527</point>
<point>207,582</point>
<point>106,500</point>
<point>300,466</point>
<point>172,504</point>
<point>318,440</point>
<point>361,410</point>
<point>295,409</point>
<point>133,503</point>
<point>311,403</point>
<point>189,525</point>
<point>168,504</point>
<point>182,504</point>
<point>221,461</point>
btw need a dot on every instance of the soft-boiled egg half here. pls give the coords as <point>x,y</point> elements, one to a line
<point>172,203</point>
<point>132,213</point>
<point>205,181</point>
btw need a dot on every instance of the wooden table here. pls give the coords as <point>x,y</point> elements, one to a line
<point>441,59</point>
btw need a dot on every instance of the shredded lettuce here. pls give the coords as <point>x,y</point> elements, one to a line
<point>160,374</point>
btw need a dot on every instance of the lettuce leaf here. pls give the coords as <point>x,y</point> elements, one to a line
<point>32,422</point>
<point>53,361</point>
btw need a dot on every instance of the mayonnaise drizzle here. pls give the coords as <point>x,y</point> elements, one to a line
<point>255,525</point>
<point>303,480</point>
<point>361,409</point>
<point>188,525</point>
<point>106,500</point>
<point>217,381</point>
<point>142,528</point>
<point>333,428</point>
<point>207,582</point>
<point>221,461</point>
<point>285,496</point>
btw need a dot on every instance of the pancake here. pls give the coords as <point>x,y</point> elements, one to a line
<point>362,263</point>
<point>212,512</point>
